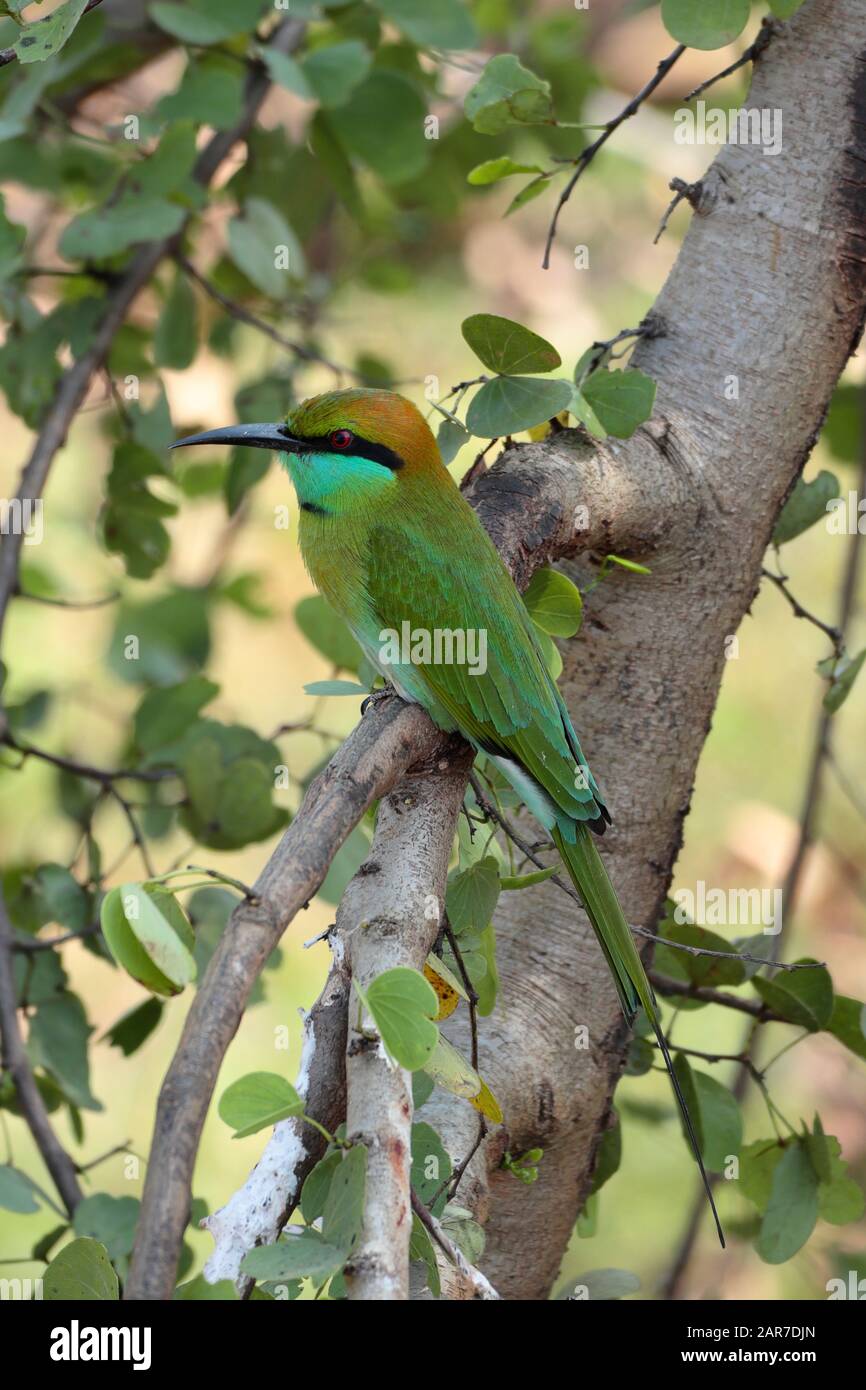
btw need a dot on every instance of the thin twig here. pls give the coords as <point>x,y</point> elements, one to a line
<point>768,28</point>
<point>102,775</point>
<point>586,156</point>
<point>70,602</point>
<point>480,1285</point>
<point>834,633</point>
<point>243,315</point>
<point>17,1064</point>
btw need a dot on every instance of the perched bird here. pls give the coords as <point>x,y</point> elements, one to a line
<point>390,541</point>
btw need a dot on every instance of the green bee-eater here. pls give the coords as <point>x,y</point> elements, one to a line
<point>391,542</point>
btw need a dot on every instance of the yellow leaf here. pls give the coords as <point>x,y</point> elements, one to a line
<point>448,997</point>
<point>487,1103</point>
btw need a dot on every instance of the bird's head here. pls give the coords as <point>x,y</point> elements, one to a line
<point>343,449</point>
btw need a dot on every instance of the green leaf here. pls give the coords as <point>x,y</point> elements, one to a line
<point>210,93</point>
<point>783,9</point>
<point>150,918</point>
<point>840,1198</point>
<point>402,1004</point>
<point>110,1220</point>
<point>451,438</point>
<point>804,997</point>
<point>198,1290</point>
<point>581,409</point>
<point>328,633</point>
<point>806,505</point>
<point>265,248</point>
<point>316,1185</point>
<point>431,1166</point>
<point>715,1114</point>
<point>492,170</point>
<point>135,1026</point>
<point>421,1249</point>
<point>608,1156</point>
<point>450,1070</point>
<point>81,1273</point>
<point>62,898</point>
<point>106,231</point>
<point>758,1162</point>
<point>509,404</point>
<point>165,714</point>
<point>506,346</point>
<point>176,338</point>
<point>343,1213</point>
<point>45,38</point>
<point>705,23</point>
<point>57,1041</point>
<point>333,71</point>
<point>445,24</point>
<point>16,1191</point>
<point>620,400</point>
<point>471,895</point>
<point>721,1121</point>
<point>528,193</point>
<point>554,603</point>
<point>12,239</point>
<point>843,674</point>
<point>700,970</point>
<point>335,688</point>
<point>506,94</point>
<point>305,1255</point>
<point>209,21</point>
<point>258,1101</point>
<point>287,72</point>
<point>508,882</point>
<point>792,1209</point>
<point>846,1024</point>
<point>382,124</point>
<point>601,1285</point>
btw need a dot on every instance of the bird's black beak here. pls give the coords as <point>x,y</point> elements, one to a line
<point>276,437</point>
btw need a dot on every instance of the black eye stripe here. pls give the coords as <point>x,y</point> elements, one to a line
<point>359,448</point>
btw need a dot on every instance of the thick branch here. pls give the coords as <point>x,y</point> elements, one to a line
<point>257,1212</point>
<point>390,916</point>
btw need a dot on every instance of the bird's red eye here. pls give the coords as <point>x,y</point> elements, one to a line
<point>341,439</point>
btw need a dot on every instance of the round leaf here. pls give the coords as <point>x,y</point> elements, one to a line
<point>705,23</point>
<point>506,346</point>
<point>804,997</point>
<point>258,1101</point>
<point>403,1006</point>
<point>81,1273</point>
<point>554,603</point>
<point>509,404</point>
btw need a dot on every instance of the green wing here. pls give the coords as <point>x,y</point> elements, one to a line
<point>513,710</point>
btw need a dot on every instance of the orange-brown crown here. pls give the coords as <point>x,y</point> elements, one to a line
<point>380,417</point>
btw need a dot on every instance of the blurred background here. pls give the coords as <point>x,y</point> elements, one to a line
<point>386,295</point>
